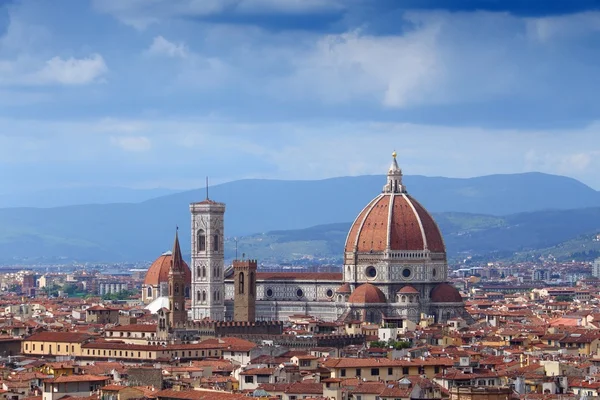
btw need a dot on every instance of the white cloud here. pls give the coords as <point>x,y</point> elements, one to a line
<point>131,143</point>
<point>399,70</point>
<point>71,71</point>
<point>162,47</point>
<point>547,29</point>
<point>563,162</point>
<point>56,71</point>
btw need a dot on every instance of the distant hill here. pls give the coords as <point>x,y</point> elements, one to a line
<point>564,234</point>
<point>141,231</point>
<point>60,197</point>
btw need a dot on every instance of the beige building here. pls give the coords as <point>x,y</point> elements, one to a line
<point>376,369</point>
<point>54,344</point>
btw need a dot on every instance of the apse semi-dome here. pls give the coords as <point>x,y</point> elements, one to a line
<point>367,294</point>
<point>445,293</point>
<point>394,221</point>
<point>408,290</point>
<point>159,270</point>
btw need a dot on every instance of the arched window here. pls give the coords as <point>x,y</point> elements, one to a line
<point>204,271</point>
<point>198,295</point>
<point>403,299</point>
<point>177,288</point>
<point>203,295</point>
<point>149,291</point>
<point>198,272</point>
<point>201,239</point>
<point>251,288</point>
<point>216,241</point>
<point>241,283</point>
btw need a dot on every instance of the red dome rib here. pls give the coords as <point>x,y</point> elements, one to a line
<point>159,271</point>
<point>351,240</point>
<point>406,231</point>
<point>373,235</point>
<point>435,242</point>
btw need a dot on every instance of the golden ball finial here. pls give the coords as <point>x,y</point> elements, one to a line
<point>394,154</point>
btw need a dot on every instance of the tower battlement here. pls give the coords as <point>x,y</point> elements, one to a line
<point>249,264</point>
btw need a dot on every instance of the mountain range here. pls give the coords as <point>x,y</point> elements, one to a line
<point>482,214</point>
<point>562,234</point>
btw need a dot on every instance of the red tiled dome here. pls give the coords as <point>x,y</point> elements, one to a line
<point>445,293</point>
<point>408,290</point>
<point>367,294</point>
<point>159,271</point>
<point>409,227</point>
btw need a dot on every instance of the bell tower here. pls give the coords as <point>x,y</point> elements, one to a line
<point>244,300</point>
<point>177,286</point>
<point>208,288</point>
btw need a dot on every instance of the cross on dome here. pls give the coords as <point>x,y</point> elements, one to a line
<point>394,178</point>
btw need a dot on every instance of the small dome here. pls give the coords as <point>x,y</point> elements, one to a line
<point>445,293</point>
<point>159,271</point>
<point>367,294</point>
<point>408,290</point>
<point>344,289</point>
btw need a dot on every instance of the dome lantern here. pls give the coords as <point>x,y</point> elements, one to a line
<point>394,178</point>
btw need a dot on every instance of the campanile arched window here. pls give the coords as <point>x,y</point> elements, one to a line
<point>216,241</point>
<point>201,240</point>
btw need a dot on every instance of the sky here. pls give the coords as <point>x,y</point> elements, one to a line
<point>161,93</point>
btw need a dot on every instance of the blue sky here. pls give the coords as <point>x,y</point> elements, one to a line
<point>161,93</point>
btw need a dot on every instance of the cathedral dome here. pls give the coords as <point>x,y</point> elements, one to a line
<point>367,294</point>
<point>159,271</point>
<point>394,221</point>
<point>445,293</point>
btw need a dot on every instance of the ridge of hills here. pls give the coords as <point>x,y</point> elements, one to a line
<point>476,215</point>
<point>558,234</point>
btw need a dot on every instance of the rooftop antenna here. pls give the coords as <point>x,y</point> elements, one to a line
<point>207,188</point>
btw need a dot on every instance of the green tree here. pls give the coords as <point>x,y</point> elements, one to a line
<point>125,294</point>
<point>563,297</point>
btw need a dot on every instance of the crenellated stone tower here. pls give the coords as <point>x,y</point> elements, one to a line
<point>244,298</point>
<point>208,287</point>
